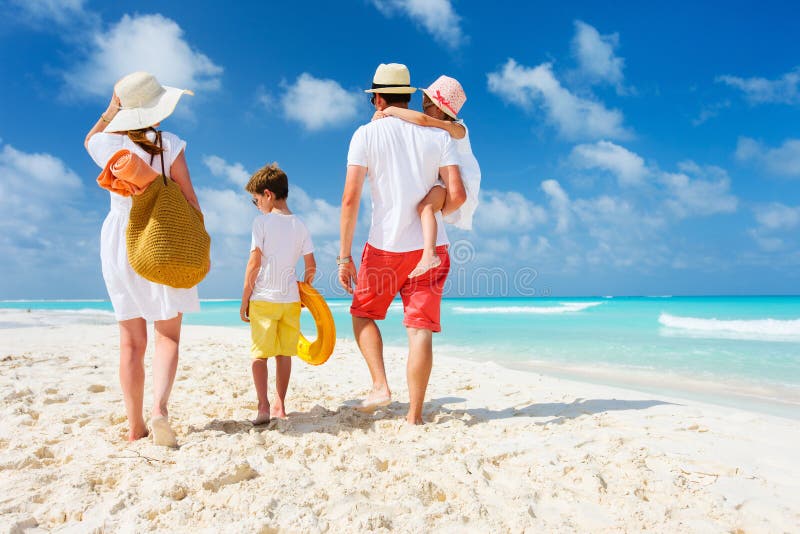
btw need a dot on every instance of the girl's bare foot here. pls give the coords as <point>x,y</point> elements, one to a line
<point>428,261</point>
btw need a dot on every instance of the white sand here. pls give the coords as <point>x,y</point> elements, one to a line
<point>504,450</point>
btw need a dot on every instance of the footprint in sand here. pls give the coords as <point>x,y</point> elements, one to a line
<point>96,388</point>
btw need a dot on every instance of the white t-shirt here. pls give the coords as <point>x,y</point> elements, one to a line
<point>283,239</point>
<point>402,161</point>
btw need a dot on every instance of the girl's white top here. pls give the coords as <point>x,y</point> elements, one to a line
<point>471,176</point>
<point>131,295</point>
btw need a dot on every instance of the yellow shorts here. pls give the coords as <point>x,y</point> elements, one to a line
<point>274,328</point>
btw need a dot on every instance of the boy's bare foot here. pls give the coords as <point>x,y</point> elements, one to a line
<point>428,261</point>
<point>261,419</point>
<point>162,433</point>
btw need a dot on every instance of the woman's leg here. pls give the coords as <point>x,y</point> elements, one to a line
<point>165,362</point>
<point>132,346</point>
<point>283,371</point>
<point>261,381</point>
<point>427,209</point>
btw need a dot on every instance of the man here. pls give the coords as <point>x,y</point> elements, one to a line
<point>403,161</point>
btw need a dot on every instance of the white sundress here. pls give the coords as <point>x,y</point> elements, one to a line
<point>131,295</point>
<point>471,176</point>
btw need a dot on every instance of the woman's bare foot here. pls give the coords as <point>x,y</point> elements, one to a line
<point>138,431</point>
<point>428,261</point>
<point>414,421</point>
<point>278,411</point>
<point>163,434</point>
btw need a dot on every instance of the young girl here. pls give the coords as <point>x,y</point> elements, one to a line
<point>440,104</point>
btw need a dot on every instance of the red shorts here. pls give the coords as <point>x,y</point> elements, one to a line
<point>382,274</point>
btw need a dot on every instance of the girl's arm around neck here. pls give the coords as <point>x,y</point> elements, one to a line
<point>456,130</point>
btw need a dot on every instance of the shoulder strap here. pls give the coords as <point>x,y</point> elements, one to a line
<point>161,154</point>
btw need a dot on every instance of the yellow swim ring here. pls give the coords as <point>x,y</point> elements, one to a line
<point>320,350</point>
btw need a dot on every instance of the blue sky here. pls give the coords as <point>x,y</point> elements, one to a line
<point>626,148</point>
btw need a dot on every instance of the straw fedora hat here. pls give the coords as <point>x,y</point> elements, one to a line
<point>391,78</point>
<point>447,94</point>
<point>143,102</point>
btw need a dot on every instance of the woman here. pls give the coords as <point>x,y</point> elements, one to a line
<point>137,107</point>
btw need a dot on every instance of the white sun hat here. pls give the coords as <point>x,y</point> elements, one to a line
<point>143,102</point>
<point>391,78</point>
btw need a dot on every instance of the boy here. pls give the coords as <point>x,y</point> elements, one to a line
<point>271,300</point>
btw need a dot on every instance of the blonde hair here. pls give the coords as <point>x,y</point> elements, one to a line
<point>269,177</point>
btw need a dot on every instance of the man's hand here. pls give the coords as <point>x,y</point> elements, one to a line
<point>244,311</point>
<point>347,276</point>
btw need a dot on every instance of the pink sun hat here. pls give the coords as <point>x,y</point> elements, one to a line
<point>447,94</point>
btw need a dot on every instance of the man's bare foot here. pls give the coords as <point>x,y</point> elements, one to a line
<point>428,261</point>
<point>261,419</point>
<point>375,400</point>
<point>278,411</point>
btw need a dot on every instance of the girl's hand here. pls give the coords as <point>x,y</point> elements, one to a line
<point>244,311</point>
<point>378,115</point>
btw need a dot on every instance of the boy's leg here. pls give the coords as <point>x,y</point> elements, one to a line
<point>260,376</point>
<point>283,371</point>
<point>427,209</point>
<point>132,346</point>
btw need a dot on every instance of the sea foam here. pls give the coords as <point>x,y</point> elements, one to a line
<point>755,329</point>
<point>563,307</point>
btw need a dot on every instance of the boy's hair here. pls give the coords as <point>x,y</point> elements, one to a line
<point>269,177</point>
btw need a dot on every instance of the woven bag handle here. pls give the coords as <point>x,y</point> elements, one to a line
<point>161,154</point>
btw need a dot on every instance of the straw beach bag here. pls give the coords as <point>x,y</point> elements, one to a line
<point>166,238</point>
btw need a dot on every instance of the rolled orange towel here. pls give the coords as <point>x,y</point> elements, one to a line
<point>126,174</point>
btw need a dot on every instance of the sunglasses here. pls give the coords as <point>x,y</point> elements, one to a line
<point>254,201</point>
<point>372,99</point>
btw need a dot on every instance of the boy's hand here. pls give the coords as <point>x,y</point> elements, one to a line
<point>244,311</point>
<point>347,276</point>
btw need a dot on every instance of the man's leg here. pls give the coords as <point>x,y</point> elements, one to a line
<point>370,342</point>
<point>418,371</point>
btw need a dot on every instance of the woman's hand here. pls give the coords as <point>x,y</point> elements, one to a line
<point>378,115</point>
<point>244,311</point>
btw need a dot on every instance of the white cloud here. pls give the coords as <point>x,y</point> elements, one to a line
<point>507,211</point>
<point>437,17</point>
<point>574,117</point>
<point>229,211</point>
<point>318,103</point>
<point>151,43</point>
<point>559,203</point>
<point>235,173</point>
<point>708,194</point>
<point>710,111</point>
<point>783,161</point>
<point>41,221</point>
<point>628,167</point>
<point>54,12</point>
<point>596,57</point>
<point>777,216</point>
<point>784,90</point>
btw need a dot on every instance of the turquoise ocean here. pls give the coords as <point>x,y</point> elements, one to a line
<point>729,350</point>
